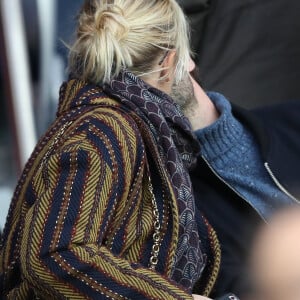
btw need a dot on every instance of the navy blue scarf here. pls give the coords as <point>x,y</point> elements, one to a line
<point>178,149</point>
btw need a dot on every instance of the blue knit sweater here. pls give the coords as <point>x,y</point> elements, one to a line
<point>233,154</point>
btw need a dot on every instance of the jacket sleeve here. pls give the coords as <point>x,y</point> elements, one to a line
<point>63,247</point>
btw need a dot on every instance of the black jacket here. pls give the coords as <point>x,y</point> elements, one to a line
<point>277,131</point>
<point>249,50</point>
<point>197,12</point>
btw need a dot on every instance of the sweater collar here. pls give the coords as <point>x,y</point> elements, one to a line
<point>224,134</point>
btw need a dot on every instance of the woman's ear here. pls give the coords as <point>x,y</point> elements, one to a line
<point>168,67</point>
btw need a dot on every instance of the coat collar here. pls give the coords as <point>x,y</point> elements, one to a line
<point>76,93</point>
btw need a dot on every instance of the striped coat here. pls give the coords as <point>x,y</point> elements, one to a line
<point>80,224</point>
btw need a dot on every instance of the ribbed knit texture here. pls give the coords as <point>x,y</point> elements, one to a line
<point>232,152</point>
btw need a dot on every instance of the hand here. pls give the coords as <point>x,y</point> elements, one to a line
<point>204,111</point>
<point>198,297</point>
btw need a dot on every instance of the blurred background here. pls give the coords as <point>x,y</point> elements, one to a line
<point>247,49</point>
<point>32,67</point>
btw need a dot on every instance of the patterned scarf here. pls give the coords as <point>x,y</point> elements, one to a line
<point>178,149</point>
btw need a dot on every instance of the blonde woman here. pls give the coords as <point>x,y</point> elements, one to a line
<point>105,208</point>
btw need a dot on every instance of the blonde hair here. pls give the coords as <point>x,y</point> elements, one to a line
<point>131,34</point>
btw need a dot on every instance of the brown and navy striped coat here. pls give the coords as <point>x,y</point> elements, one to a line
<point>80,225</point>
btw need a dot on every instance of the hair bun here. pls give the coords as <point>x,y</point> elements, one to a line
<point>131,34</point>
<point>112,20</point>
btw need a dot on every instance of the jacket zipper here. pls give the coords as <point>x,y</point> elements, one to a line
<point>236,192</point>
<point>278,184</point>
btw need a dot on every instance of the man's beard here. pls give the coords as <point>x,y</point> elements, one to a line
<point>183,94</point>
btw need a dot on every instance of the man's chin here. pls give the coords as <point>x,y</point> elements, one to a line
<point>183,94</point>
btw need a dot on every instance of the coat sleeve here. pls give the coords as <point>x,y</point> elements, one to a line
<point>64,255</point>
